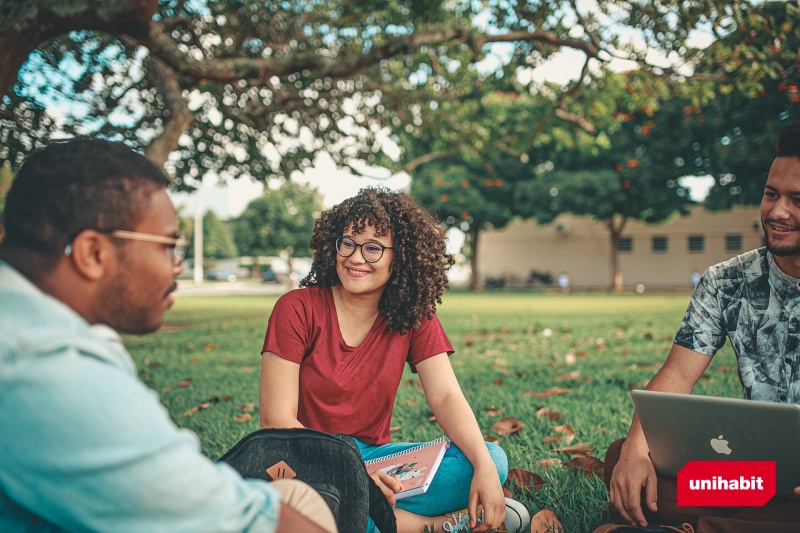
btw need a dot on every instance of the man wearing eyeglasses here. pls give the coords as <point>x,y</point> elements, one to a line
<point>92,248</point>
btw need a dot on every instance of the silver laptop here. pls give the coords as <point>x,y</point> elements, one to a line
<point>685,427</point>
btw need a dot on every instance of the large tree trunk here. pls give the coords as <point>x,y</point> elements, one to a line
<point>615,226</point>
<point>26,28</point>
<point>474,279</point>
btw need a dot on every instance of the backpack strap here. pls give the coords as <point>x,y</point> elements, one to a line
<point>379,509</point>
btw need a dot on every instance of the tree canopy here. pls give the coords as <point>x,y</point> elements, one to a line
<point>251,87</point>
<point>280,221</point>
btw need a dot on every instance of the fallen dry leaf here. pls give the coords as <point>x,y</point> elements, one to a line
<point>508,426</point>
<point>210,347</point>
<point>410,402</point>
<point>394,428</point>
<point>548,463</point>
<point>489,438</point>
<point>567,432</point>
<point>247,408</point>
<point>196,408</point>
<point>242,418</point>
<point>551,415</point>
<point>498,381</point>
<point>545,521</point>
<point>493,412</point>
<point>184,383</point>
<point>569,376</point>
<point>588,465</point>
<point>432,419</point>
<point>725,368</point>
<point>507,493</point>
<point>227,398</point>
<point>582,448</point>
<point>524,480</point>
<point>552,439</point>
<point>499,362</point>
<point>582,353</point>
<point>552,391</point>
<point>249,368</point>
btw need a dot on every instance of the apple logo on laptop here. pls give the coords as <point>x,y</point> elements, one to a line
<point>720,445</point>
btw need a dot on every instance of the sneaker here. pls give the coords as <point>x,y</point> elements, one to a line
<point>517,519</point>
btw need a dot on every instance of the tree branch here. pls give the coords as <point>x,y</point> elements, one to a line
<point>19,36</point>
<point>179,117</point>
<point>427,158</point>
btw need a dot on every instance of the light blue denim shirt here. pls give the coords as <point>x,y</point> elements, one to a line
<point>86,446</point>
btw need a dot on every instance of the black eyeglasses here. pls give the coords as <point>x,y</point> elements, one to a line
<point>370,251</point>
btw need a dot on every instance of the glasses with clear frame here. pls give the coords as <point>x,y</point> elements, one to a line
<point>178,244</point>
<point>370,251</point>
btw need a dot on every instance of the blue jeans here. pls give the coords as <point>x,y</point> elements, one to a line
<point>449,490</point>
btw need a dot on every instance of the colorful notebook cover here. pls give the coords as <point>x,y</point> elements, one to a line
<point>414,467</point>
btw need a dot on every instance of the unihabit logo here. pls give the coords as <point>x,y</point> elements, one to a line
<point>720,483</point>
<point>726,483</point>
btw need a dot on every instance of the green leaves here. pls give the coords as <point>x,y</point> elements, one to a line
<point>280,220</point>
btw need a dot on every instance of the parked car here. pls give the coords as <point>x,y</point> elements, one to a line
<point>270,276</point>
<point>221,275</point>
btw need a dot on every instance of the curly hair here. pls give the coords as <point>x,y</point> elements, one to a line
<point>420,260</point>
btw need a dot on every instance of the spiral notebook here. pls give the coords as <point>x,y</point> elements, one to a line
<point>414,467</point>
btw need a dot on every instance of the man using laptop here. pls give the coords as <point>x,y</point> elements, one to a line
<point>751,300</point>
<point>91,248</point>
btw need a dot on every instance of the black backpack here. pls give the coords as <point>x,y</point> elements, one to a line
<point>329,463</point>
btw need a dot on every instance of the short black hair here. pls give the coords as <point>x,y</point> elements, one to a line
<point>789,141</point>
<point>70,186</point>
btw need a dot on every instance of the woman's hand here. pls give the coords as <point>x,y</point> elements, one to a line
<point>486,490</point>
<point>389,485</point>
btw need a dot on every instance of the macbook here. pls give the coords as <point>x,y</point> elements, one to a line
<point>685,427</point>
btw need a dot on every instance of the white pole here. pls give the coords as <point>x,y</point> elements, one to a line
<point>198,239</point>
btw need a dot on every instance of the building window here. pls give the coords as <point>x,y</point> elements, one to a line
<point>660,245</point>
<point>733,243</point>
<point>697,243</point>
<point>625,245</point>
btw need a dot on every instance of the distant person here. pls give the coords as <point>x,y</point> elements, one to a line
<point>749,299</point>
<point>334,354</point>
<point>563,282</point>
<point>92,248</point>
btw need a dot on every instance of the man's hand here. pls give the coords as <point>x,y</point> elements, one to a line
<point>486,490</point>
<point>633,472</point>
<point>389,485</point>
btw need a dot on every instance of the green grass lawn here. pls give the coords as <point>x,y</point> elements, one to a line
<point>509,346</point>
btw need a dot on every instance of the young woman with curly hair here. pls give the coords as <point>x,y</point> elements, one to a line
<point>334,355</point>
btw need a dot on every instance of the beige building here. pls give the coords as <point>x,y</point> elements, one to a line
<point>657,256</point>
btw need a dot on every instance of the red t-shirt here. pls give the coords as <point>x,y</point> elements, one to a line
<point>345,389</point>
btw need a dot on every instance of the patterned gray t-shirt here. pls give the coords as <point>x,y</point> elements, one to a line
<point>755,304</point>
